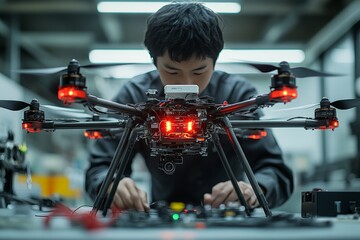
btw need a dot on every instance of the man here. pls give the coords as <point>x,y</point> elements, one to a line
<point>184,41</point>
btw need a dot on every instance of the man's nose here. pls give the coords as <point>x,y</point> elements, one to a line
<point>187,80</point>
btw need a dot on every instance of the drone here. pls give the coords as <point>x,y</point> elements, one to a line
<point>181,124</point>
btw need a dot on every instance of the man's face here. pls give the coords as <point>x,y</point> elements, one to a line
<point>191,72</point>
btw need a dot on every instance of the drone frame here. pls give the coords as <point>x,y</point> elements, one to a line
<point>283,90</point>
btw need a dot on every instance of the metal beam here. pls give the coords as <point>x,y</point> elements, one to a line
<point>332,32</point>
<point>112,27</point>
<point>61,39</point>
<point>278,26</point>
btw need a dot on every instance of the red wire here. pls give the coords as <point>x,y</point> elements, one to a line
<point>88,220</point>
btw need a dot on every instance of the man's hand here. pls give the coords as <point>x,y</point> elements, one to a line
<point>129,197</point>
<point>224,192</point>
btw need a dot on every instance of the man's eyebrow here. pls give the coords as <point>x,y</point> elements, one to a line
<point>173,68</point>
<point>200,68</point>
<point>170,67</point>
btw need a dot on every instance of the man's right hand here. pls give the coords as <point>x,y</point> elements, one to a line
<point>129,197</point>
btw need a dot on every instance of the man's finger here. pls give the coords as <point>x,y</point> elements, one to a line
<point>133,199</point>
<point>220,195</point>
<point>208,199</point>
<point>144,201</point>
<point>118,202</point>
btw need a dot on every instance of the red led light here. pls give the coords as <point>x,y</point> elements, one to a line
<point>71,94</point>
<point>257,135</point>
<point>332,125</point>
<point>93,134</point>
<point>190,125</point>
<point>179,127</point>
<point>31,127</point>
<point>286,94</point>
<point>168,126</point>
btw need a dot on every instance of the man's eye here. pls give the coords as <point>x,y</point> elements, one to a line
<point>197,73</point>
<point>172,73</point>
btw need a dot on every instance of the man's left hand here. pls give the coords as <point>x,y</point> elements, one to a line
<point>224,192</point>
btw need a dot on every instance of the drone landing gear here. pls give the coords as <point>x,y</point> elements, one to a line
<point>245,165</point>
<point>118,165</point>
<point>120,160</point>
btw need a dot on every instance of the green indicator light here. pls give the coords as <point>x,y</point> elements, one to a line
<point>175,216</point>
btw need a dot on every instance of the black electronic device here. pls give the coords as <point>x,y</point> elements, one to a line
<point>320,203</point>
<point>12,160</point>
<point>178,126</point>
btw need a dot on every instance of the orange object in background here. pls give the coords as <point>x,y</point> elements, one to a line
<point>51,185</point>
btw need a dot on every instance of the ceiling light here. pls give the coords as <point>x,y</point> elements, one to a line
<point>262,55</point>
<point>226,55</point>
<point>150,7</point>
<point>119,56</point>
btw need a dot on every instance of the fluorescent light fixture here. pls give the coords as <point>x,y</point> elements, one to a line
<point>261,55</point>
<point>226,55</point>
<point>119,56</point>
<point>150,7</point>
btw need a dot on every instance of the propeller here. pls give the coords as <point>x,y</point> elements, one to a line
<point>15,105</point>
<point>343,104</point>
<point>73,67</point>
<point>299,72</point>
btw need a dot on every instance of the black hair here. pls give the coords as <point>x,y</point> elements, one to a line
<point>184,30</point>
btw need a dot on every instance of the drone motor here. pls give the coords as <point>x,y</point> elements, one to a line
<point>283,85</point>
<point>72,84</point>
<point>33,118</point>
<point>326,112</point>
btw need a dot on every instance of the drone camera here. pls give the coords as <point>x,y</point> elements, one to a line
<point>168,164</point>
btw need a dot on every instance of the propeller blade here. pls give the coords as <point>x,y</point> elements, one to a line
<point>13,105</point>
<point>55,70</point>
<point>263,67</point>
<point>67,112</point>
<point>301,72</point>
<point>295,108</point>
<point>346,103</point>
<point>92,66</point>
<point>41,71</point>
<point>56,108</point>
<point>76,115</point>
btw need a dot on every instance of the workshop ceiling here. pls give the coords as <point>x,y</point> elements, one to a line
<point>49,33</point>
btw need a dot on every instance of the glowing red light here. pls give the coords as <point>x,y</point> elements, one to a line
<point>332,125</point>
<point>179,127</point>
<point>71,94</point>
<point>168,126</point>
<point>190,125</point>
<point>30,127</point>
<point>286,94</point>
<point>93,134</point>
<point>257,135</point>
